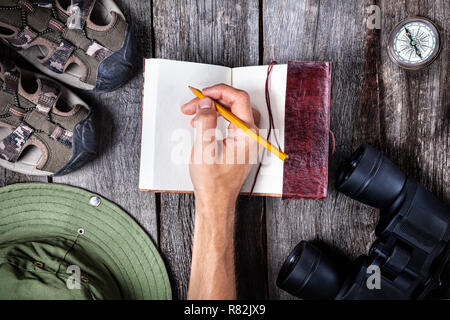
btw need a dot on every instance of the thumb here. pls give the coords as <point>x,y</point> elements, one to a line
<point>205,123</point>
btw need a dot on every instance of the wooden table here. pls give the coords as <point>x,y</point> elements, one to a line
<point>405,114</point>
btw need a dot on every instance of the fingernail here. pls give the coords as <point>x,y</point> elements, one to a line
<point>205,104</point>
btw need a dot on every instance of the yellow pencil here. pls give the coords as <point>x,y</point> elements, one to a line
<point>241,124</point>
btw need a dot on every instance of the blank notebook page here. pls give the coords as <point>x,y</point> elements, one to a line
<point>253,80</point>
<point>167,135</point>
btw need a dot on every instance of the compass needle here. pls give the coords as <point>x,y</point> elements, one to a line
<point>414,43</point>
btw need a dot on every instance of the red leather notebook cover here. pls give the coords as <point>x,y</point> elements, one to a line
<point>307,129</point>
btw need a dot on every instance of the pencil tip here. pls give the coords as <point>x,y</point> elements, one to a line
<point>191,88</point>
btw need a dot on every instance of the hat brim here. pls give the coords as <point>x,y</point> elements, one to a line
<point>46,210</point>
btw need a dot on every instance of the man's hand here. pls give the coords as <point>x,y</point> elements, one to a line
<point>218,170</point>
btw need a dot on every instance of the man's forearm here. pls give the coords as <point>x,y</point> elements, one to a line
<point>213,269</point>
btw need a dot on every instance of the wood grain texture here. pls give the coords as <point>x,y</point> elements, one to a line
<point>320,31</point>
<point>115,172</point>
<point>223,33</point>
<point>415,118</point>
<point>416,104</point>
<point>404,113</point>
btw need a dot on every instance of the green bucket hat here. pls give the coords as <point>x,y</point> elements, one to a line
<point>60,242</point>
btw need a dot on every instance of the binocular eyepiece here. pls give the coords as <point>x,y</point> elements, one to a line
<point>307,272</point>
<point>412,247</point>
<point>371,178</point>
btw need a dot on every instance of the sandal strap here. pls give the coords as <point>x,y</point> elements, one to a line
<point>11,76</point>
<point>23,38</point>
<point>79,11</point>
<point>56,25</point>
<point>27,5</point>
<point>98,52</point>
<point>43,124</point>
<point>47,96</point>
<point>63,136</point>
<point>17,111</point>
<point>11,147</point>
<point>60,56</point>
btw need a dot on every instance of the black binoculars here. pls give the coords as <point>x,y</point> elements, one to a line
<point>412,247</point>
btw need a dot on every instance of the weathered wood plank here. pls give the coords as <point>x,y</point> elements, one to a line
<point>416,105</point>
<point>251,248</point>
<point>333,31</point>
<point>224,33</point>
<point>114,174</point>
<point>409,122</point>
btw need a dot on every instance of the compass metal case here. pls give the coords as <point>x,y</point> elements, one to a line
<point>414,43</point>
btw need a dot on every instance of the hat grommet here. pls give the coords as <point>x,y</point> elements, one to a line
<point>80,231</point>
<point>95,201</point>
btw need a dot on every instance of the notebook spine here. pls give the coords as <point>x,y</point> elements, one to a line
<point>307,127</point>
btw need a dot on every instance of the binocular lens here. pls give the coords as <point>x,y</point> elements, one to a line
<point>308,274</point>
<point>371,178</point>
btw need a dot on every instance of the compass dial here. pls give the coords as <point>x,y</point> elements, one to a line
<point>414,43</point>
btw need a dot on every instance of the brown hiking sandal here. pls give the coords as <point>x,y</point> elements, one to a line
<point>45,129</point>
<point>84,43</point>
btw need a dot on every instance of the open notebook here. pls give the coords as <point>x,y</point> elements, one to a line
<point>167,136</point>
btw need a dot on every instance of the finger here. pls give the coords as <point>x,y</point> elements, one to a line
<point>204,112</point>
<point>235,132</point>
<point>206,117</point>
<point>205,122</point>
<point>256,116</point>
<point>196,105</point>
<point>238,100</point>
<point>190,108</point>
<point>240,150</point>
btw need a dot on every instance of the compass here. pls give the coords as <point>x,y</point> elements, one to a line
<point>414,43</point>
